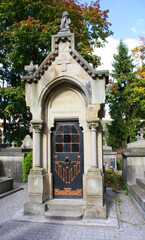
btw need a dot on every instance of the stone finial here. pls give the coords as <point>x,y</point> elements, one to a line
<point>65,23</point>
<point>31,68</point>
<point>140,134</point>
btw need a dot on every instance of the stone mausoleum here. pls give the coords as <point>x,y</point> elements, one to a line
<point>66,97</point>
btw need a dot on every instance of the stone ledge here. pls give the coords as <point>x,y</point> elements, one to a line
<point>138,194</point>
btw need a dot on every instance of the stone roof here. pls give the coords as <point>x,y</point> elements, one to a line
<point>67,37</point>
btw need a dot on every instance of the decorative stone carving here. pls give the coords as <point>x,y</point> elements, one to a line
<point>65,23</point>
<point>31,68</point>
<point>27,142</point>
<point>64,63</point>
<point>62,36</point>
<point>13,144</point>
<point>37,125</point>
<point>140,134</point>
<point>93,126</point>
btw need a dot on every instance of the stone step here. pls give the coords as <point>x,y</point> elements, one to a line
<point>138,193</point>
<point>64,215</point>
<point>65,204</point>
<point>141,182</point>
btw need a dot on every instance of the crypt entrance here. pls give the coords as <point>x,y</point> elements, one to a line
<point>67,160</point>
<point>65,112</point>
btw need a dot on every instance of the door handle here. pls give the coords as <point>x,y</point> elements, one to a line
<point>67,161</point>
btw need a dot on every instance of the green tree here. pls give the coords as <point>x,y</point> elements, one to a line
<point>26,28</point>
<point>124,104</point>
<point>13,107</point>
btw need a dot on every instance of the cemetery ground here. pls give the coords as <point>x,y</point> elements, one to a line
<point>130,222</point>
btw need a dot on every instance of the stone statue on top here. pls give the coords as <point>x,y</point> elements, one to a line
<point>65,23</point>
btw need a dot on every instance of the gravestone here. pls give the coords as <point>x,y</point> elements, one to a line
<point>134,160</point>
<point>27,142</point>
<point>109,158</point>
<point>133,171</point>
<point>66,97</point>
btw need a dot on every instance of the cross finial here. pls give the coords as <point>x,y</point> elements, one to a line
<point>140,134</point>
<point>3,138</point>
<point>12,144</point>
<point>31,68</point>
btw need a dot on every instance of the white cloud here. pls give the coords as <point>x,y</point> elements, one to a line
<point>138,28</point>
<point>110,49</point>
<point>107,53</point>
<point>133,29</point>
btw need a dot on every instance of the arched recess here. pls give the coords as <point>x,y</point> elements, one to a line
<point>58,83</point>
<point>61,92</point>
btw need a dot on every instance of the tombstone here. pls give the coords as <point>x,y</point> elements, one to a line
<point>27,142</point>
<point>133,171</point>
<point>3,144</point>
<point>66,98</point>
<point>109,158</point>
<point>133,165</point>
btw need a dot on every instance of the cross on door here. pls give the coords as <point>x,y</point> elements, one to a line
<point>63,61</point>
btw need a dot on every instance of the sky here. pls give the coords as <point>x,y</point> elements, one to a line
<point>128,23</point>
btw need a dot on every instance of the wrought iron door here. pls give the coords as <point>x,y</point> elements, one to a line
<point>67,160</point>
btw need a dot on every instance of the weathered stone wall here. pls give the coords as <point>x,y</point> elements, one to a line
<point>133,165</point>
<point>11,163</point>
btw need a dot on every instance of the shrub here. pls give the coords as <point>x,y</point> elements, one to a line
<point>119,164</point>
<point>27,165</point>
<point>114,180</point>
<point>109,171</point>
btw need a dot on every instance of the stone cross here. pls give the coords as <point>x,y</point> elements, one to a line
<point>64,63</point>
<point>141,132</point>
<point>3,138</point>
<point>12,144</point>
<point>31,68</point>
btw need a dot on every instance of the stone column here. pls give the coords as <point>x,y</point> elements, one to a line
<point>95,207</point>
<point>93,128</point>
<point>38,180</point>
<point>37,126</point>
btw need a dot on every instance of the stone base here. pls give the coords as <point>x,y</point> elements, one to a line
<point>38,192</point>
<point>95,207</point>
<point>38,186</point>
<point>94,188</point>
<point>35,208</point>
<point>92,212</point>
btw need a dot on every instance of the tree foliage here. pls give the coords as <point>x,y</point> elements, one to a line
<point>139,55</point>
<point>125,102</point>
<point>13,107</point>
<point>26,28</point>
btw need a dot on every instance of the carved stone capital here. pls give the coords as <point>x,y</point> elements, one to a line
<point>93,126</point>
<point>37,125</point>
